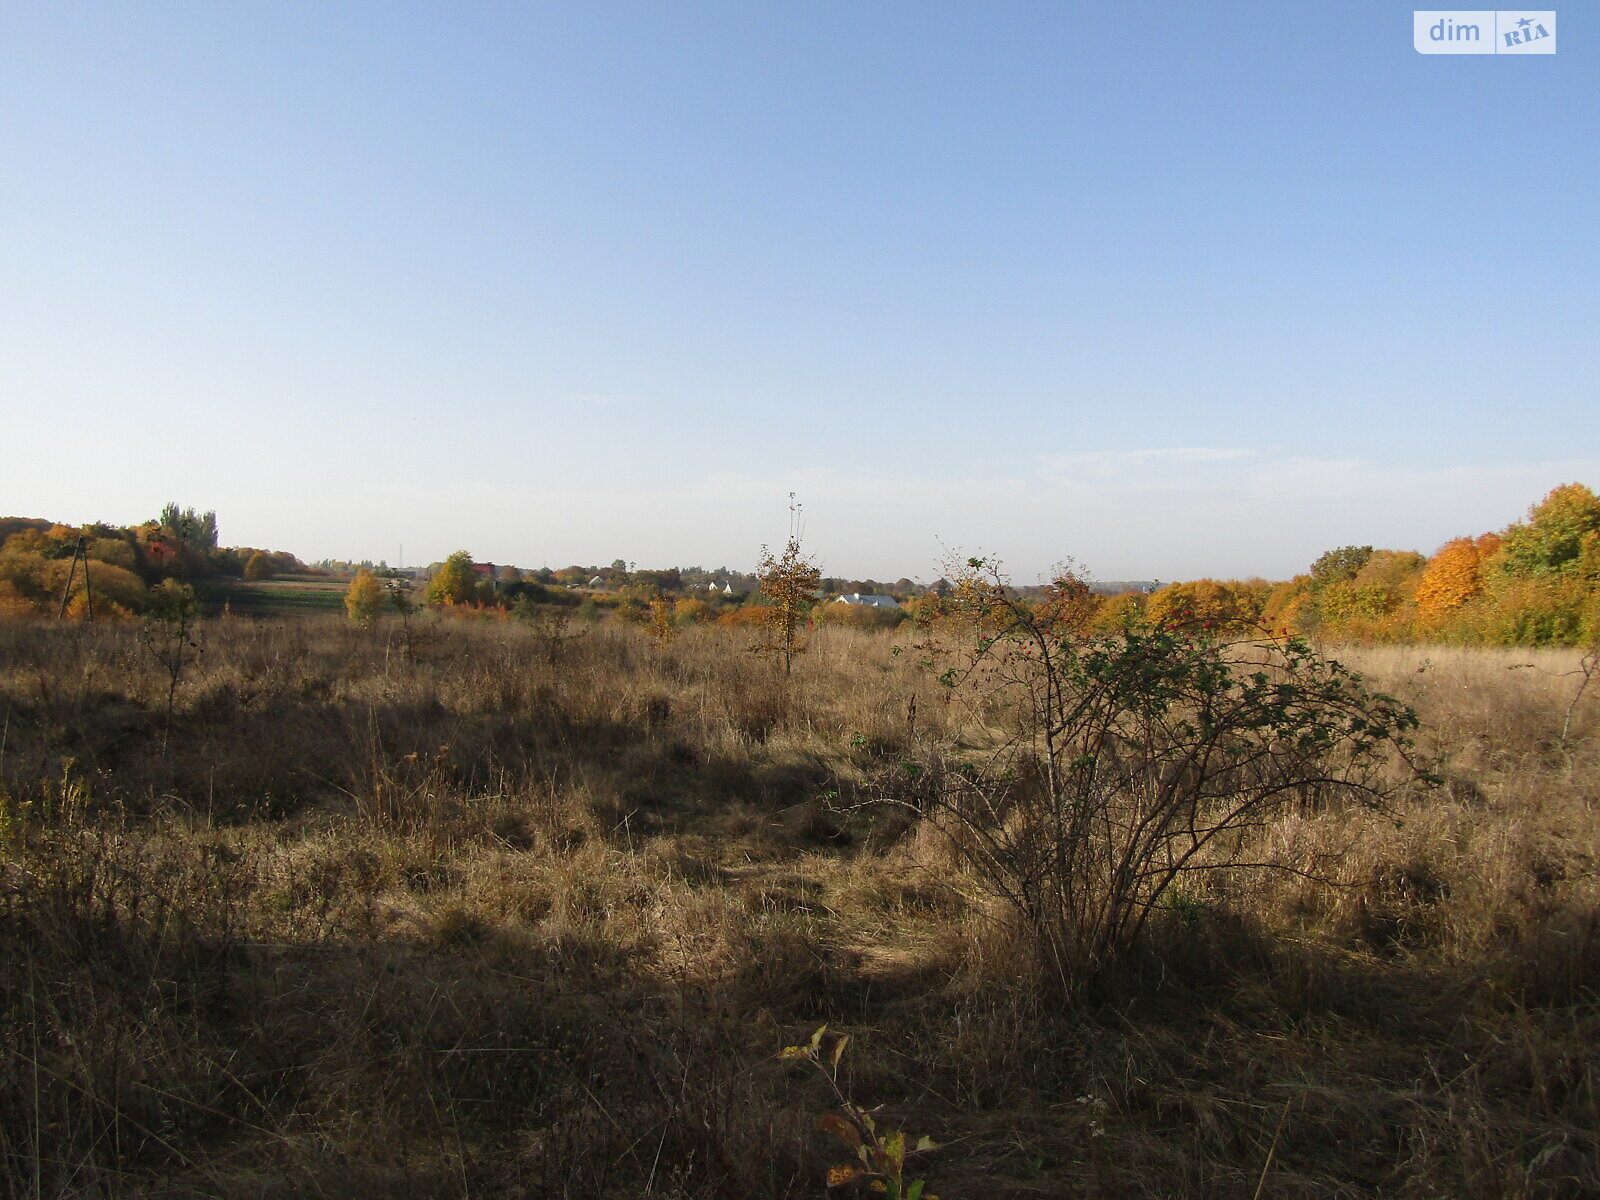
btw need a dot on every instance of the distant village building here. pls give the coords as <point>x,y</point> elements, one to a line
<point>868,601</point>
<point>596,582</point>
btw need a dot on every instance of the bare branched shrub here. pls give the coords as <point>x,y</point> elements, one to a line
<point>789,582</point>
<point>1114,767</point>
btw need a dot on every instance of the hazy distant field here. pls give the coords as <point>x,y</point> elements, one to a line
<point>530,911</point>
<point>277,597</point>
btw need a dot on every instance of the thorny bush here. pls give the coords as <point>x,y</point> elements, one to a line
<point>1113,767</point>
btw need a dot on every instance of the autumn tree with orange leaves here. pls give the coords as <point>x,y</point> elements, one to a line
<point>1452,577</point>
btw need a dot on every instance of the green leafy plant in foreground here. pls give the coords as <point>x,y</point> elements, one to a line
<point>880,1156</point>
<point>1122,770</point>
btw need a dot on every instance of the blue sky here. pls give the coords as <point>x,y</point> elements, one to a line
<point>1171,290</point>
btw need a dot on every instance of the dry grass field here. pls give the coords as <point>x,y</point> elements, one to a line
<point>513,911</point>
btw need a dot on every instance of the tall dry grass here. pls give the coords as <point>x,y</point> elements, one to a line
<point>503,913</point>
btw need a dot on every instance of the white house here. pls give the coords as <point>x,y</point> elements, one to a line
<point>869,601</point>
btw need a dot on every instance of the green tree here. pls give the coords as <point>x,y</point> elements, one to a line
<point>1338,566</point>
<point>258,567</point>
<point>198,531</point>
<point>1551,541</point>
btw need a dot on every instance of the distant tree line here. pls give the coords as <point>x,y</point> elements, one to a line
<point>47,567</point>
<point>1535,582</point>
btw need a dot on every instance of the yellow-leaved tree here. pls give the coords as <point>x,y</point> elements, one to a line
<point>1206,604</point>
<point>454,582</point>
<point>660,627</point>
<point>1119,614</point>
<point>364,601</point>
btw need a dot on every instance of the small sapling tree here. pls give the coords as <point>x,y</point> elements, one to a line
<point>789,582</point>
<point>400,598</point>
<point>170,634</point>
<point>660,627</point>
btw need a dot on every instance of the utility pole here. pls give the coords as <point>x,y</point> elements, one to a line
<point>80,553</point>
